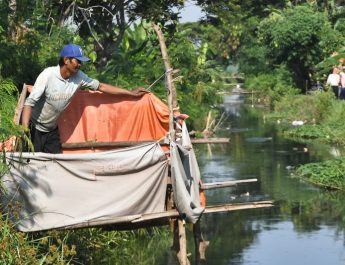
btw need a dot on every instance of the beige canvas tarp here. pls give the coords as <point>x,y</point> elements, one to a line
<point>60,190</point>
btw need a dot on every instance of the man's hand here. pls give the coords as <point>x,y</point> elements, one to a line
<point>139,92</point>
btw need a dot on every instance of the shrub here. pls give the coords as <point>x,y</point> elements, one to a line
<point>313,108</point>
<point>272,86</point>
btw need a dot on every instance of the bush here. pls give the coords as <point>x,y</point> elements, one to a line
<point>272,86</point>
<point>313,108</point>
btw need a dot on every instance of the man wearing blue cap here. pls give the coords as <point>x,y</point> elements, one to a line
<point>52,93</point>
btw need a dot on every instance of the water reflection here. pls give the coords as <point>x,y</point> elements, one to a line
<point>305,226</point>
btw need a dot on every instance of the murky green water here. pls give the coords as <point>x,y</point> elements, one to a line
<point>306,226</point>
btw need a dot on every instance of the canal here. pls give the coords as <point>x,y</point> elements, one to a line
<point>306,225</point>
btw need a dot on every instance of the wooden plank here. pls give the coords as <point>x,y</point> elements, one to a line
<point>224,184</point>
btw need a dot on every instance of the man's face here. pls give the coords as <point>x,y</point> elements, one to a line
<point>73,65</point>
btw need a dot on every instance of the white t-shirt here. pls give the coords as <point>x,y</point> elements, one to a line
<point>333,80</point>
<point>51,94</point>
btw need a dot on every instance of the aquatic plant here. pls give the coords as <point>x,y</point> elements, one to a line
<point>328,174</point>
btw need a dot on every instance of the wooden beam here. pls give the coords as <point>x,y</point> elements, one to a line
<point>224,184</point>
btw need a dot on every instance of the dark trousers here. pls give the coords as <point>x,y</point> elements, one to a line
<point>336,91</point>
<point>46,142</point>
<point>342,93</point>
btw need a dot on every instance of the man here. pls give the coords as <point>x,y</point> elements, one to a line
<point>52,93</point>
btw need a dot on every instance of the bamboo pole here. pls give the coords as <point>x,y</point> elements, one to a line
<point>180,239</point>
<point>20,104</point>
<point>172,103</point>
<point>211,141</point>
<point>224,184</point>
<point>167,215</point>
<point>94,144</point>
<point>238,206</point>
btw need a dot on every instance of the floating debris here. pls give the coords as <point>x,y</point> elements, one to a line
<point>289,167</point>
<point>297,123</point>
<point>259,139</point>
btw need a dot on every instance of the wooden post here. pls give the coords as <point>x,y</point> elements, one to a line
<point>180,239</point>
<point>182,254</point>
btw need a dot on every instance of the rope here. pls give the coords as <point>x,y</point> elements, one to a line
<point>159,78</point>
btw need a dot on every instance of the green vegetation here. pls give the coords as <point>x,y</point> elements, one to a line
<point>322,117</point>
<point>294,47</point>
<point>74,247</point>
<point>328,174</point>
<point>320,113</point>
<point>272,87</point>
<point>8,100</point>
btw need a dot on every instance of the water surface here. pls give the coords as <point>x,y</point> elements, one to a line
<point>306,225</point>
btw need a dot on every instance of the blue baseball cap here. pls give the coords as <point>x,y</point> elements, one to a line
<point>74,51</point>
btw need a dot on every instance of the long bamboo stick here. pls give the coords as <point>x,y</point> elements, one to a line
<point>223,184</point>
<point>167,215</point>
<point>94,144</point>
<point>20,104</point>
<point>179,227</point>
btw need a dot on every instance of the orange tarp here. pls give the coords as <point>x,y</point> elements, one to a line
<point>100,117</point>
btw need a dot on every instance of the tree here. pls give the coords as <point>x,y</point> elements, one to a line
<point>106,21</point>
<point>300,37</point>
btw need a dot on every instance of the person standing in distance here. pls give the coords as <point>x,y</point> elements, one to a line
<point>333,80</point>
<point>53,91</point>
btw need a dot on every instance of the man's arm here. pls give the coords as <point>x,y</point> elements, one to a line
<point>106,88</point>
<point>26,115</point>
